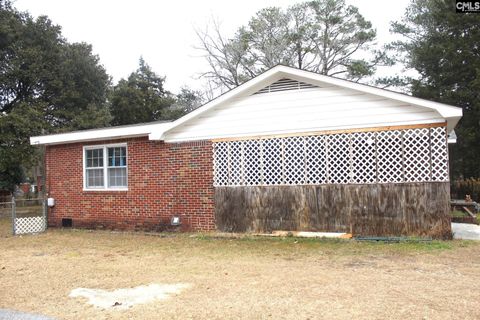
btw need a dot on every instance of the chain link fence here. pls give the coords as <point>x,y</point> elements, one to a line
<point>23,216</point>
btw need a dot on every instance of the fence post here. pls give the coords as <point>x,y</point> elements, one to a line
<point>13,215</point>
<point>44,209</point>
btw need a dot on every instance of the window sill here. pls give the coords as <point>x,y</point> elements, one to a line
<point>105,190</point>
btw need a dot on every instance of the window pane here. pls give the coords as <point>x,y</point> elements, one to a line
<point>117,157</point>
<point>117,177</point>
<point>94,178</point>
<point>94,158</point>
<point>88,155</point>
<point>111,156</point>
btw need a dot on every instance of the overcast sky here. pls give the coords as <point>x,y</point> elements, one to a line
<point>163,32</point>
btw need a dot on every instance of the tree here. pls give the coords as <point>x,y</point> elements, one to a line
<point>188,99</point>
<point>15,150</point>
<point>324,36</point>
<point>442,46</point>
<point>46,85</point>
<point>141,98</point>
<point>79,91</point>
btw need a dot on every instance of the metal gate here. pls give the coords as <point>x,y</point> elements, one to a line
<point>29,216</point>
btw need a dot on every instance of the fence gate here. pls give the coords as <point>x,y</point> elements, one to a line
<point>29,216</point>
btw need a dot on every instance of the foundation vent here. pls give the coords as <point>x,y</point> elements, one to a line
<point>67,222</point>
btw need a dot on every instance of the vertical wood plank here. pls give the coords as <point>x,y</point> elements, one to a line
<point>414,209</point>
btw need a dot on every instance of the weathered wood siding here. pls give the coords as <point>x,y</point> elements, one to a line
<point>420,209</point>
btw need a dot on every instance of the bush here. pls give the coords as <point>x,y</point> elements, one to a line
<point>460,188</point>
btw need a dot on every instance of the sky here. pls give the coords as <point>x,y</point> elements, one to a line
<point>163,32</point>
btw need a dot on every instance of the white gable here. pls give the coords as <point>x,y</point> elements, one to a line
<point>320,103</point>
<point>293,105</point>
<point>283,100</point>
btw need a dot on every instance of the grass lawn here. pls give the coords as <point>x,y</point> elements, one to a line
<point>247,278</point>
<point>461,214</point>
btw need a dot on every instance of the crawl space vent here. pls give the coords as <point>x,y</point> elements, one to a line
<point>286,85</point>
<point>67,223</point>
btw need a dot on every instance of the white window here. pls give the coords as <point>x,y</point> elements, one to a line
<point>105,167</point>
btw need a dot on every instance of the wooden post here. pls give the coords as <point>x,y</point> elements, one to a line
<point>13,215</point>
<point>44,211</point>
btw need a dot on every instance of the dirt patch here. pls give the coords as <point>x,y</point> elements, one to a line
<point>126,298</point>
<point>241,277</point>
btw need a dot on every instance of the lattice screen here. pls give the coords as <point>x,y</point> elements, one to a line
<point>30,225</point>
<point>294,160</point>
<point>439,154</point>
<point>411,155</point>
<point>389,156</point>
<point>416,146</point>
<point>316,164</point>
<point>364,164</point>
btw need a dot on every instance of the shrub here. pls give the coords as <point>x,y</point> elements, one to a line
<point>460,188</point>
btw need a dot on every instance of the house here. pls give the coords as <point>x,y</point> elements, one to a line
<point>287,150</point>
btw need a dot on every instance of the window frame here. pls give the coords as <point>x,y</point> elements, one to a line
<point>105,166</point>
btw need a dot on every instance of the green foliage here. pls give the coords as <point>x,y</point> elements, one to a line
<point>324,36</point>
<point>461,187</point>
<point>46,85</point>
<point>15,149</point>
<point>188,99</point>
<point>442,46</point>
<point>10,175</point>
<point>141,98</point>
<point>328,246</point>
<point>79,91</point>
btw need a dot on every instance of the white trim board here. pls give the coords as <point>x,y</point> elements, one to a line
<point>450,114</point>
<point>166,131</point>
<point>120,132</point>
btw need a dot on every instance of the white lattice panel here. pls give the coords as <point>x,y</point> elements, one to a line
<point>364,163</point>
<point>30,225</point>
<point>389,156</point>
<point>220,164</point>
<point>294,160</point>
<point>252,162</point>
<point>316,159</point>
<point>235,152</point>
<point>338,154</point>
<point>416,151</point>
<point>413,155</point>
<point>439,149</point>
<point>272,157</point>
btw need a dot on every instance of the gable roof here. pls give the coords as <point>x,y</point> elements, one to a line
<point>451,114</point>
<point>272,79</point>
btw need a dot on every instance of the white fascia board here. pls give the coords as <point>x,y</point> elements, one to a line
<point>245,89</point>
<point>445,110</point>
<point>452,123</point>
<point>100,134</point>
<point>450,113</point>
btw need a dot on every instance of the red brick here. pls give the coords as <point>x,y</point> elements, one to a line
<point>163,180</point>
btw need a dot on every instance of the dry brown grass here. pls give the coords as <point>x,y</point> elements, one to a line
<point>246,278</point>
<point>5,222</point>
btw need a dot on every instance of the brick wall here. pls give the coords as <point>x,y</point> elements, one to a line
<point>163,180</point>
